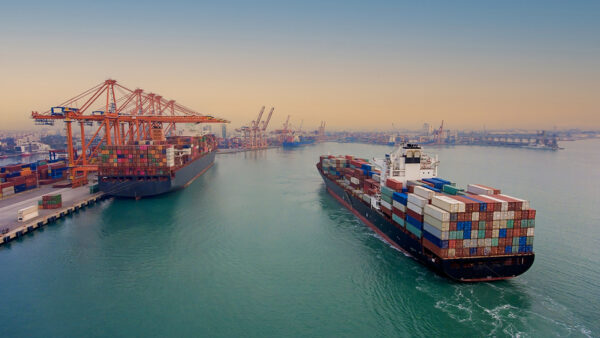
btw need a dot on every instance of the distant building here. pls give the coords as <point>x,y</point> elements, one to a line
<point>426,129</point>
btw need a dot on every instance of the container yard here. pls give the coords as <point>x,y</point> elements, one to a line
<point>477,234</point>
<point>18,178</point>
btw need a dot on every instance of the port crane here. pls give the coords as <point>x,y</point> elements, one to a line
<point>254,135</point>
<point>122,116</point>
<point>438,134</point>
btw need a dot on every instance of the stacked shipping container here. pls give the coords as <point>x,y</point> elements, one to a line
<point>448,221</point>
<point>50,202</point>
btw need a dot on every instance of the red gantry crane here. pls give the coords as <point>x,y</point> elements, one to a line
<point>122,115</point>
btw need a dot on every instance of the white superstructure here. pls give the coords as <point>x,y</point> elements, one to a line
<point>407,162</point>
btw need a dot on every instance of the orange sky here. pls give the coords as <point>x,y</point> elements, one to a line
<point>349,73</point>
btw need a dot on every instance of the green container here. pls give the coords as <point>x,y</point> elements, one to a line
<point>387,192</point>
<point>386,198</point>
<point>515,248</point>
<point>494,241</point>
<point>523,223</point>
<point>510,224</point>
<point>448,189</point>
<point>516,241</point>
<point>531,223</point>
<point>529,240</point>
<point>398,220</point>
<point>413,230</point>
<point>481,233</point>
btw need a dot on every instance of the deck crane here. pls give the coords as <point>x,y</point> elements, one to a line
<point>122,115</point>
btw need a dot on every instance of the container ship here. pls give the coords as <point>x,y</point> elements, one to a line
<point>298,141</point>
<point>472,235</point>
<point>154,167</point>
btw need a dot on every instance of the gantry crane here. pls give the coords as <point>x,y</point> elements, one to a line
<point>123,116</point>
<point>321,132</point>
<point>438,137</point>
<point>254,134</point>
<point>262,135</point>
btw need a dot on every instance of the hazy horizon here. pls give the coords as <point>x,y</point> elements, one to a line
<point>533,65</point>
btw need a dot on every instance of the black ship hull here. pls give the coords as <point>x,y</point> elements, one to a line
<point>468,269</point>
<point>146,186</point>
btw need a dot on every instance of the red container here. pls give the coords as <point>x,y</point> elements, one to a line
<point>386,211</point>
<point>398,213</point>
<point>452,226</point>
<point>414,215</point>
<point>470,205</point>
<point>452,244</point>
<point>459,244</point>
<point>488,233</point>
<point>393,184</point>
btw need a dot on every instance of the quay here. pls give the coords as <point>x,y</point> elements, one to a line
<point>73,201</point>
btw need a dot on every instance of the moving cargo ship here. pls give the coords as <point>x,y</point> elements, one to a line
<point>150,168</point>
<point>468,236</point>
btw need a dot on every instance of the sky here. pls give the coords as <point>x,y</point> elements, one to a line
<point>353,64</point>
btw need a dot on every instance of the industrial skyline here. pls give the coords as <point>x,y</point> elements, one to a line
<point>356,65</point>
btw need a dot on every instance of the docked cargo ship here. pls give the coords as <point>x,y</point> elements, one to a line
<point>298,141</point>
<point>469,236</point>
<point>150,168</point>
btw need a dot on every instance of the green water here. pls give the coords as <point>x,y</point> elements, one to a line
<point>256,247</point>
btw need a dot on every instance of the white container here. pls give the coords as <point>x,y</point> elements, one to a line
<point>480,242</point>
<point>437,213</point>
<point>418,200</point>
<point>432,230</point>
<point>385,204</point>
<point>488,242</point>
<point>474,233</point>
<point>479,190</point>
<point>367,198</point>
<point>443,226</point>
<point>424,192</point>
<point>495,233</point>
<point>354,180</point>
<point>475,216</point>
<point>448,204</point>
<point>27,213</point>
<point>530,232</point>
<point>415,208</point>
<point>497,215</point>
<point>399,206</point>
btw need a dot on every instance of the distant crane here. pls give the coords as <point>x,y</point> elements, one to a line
<point>254,134</point>
<point>321,131</point>
<point>438,134</point>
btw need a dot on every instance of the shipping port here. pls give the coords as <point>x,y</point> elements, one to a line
<point>472,235</point>
<point>135,149</point>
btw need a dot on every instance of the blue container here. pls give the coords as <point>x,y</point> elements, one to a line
<point>411,220</point>
<point>430,237</point>
<point>473,251</point>
<point>460,226</point>
<point>366,166</point>
<point>467,234</point>
<point>400,197</point>
<point>482,205</point>
<point>432,188</point>
<point>441,180</point>
<point>522,241</point>
<point>508,249</point>
<point>20,188</point>
<point>502,233</point>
